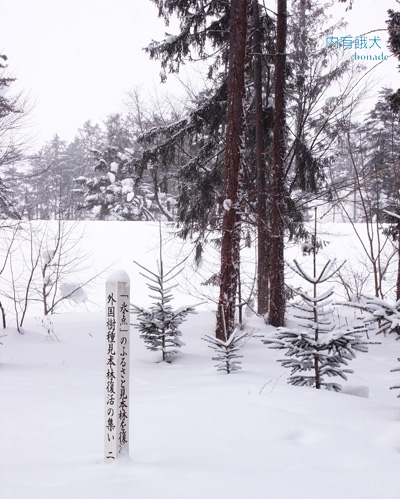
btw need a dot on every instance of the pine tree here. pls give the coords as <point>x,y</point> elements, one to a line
<point>381,132</point>
<point>386,317</point>
<point>117,188</point>
<point>261,148</point>
<point>393,24</point>
<point>318,347</point>
<point>12,112</point>
<point>231,223</point>
<point>384,314</point>
<point>201,133</point>
<point>277,293</point>
<point>226,351</point>
<point>196,143</point>
<point>159,326</point>
<point>49,191</point>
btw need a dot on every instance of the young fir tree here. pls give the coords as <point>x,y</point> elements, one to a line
<point>226,351</point>
<point>318,348</point>
<point>385,315</point>
<point>159,325</point>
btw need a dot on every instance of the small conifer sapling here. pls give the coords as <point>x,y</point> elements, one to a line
<point>318,347</point>
<point>226,351</point>
<point>159,326</point>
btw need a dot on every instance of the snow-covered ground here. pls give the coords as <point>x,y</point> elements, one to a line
<point>195,433</point>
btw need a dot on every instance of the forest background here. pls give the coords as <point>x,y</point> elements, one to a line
<point>161,158</point>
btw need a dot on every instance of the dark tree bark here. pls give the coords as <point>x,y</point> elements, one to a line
<point>3,315</point>
<point>398,263</point>
<point>262,223</point>
<point>277,290</point>
<point>230,244</point>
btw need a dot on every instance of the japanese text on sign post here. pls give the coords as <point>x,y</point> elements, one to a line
<point>117,366</point>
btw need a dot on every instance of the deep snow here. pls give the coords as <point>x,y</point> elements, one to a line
<point>195,433</point>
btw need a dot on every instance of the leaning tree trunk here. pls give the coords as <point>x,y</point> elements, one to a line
<point>277,290</point>
<point>262,224</point>
<point>230,244</point>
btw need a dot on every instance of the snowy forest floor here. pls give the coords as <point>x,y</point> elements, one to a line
<point>195,433</point>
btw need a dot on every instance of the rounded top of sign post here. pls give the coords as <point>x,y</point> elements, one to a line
<point>119,276</point>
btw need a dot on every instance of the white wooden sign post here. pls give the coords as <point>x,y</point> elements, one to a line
<point>117,366</point>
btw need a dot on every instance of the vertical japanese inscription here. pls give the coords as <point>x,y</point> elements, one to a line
<point>117,366</point>
<point>123,361</point>
<point>111,379</point>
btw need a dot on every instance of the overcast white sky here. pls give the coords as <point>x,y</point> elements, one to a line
<point>78,58</point>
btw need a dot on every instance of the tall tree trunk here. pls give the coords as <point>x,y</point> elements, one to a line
<point>398,263</point>
<point>302,64</point>
<point>262,224</point>
<point>230,245</point>
<point>277,291</point>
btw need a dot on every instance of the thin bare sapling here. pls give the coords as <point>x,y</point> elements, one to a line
<point>48,267</point>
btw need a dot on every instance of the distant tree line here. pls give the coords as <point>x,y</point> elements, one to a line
<point>272,134</point>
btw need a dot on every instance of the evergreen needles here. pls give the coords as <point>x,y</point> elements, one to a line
<point>226,352</point>
<point>318,347</point>
<point>159,325</point>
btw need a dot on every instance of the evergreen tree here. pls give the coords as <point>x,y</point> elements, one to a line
<point>117,190</point>
<point>277,293</point>
<point>227,352</point>
<point>386,317</point>
<point>312,118</point>
<point>159,326</point>
<point>49,190</point>
<point>261,148</point>
<point>12,113</point>
<point>112,193</point>
<point>393,24</point>
<point>318,348</point>
<point>384,314</point>
<point>196,142</point>
<point>201,134</point>
<point>231,223</point>
<point>381,132</point>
